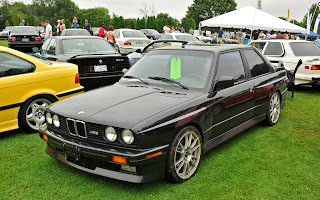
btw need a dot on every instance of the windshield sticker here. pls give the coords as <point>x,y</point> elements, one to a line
<point>175,68</point>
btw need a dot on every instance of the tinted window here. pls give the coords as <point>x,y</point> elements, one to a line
<point>153,32</point>
<point>12,65</point>
<point>52,47</point>
<point>231,65</point>
<point>191,68</point>
<point>274,49</point>
<point>305,49</point>
<point>133,34</point>
<point>86,46</point>
<point>75,32</point>
<point>259,45</point>
<point>256,64</point>
<point>188,38</point>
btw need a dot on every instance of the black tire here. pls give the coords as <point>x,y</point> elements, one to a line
<point>25,124</point>
<point>274,109</point>
<point>190,159</point>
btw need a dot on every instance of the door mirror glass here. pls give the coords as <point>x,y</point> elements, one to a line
<point>224,82</point>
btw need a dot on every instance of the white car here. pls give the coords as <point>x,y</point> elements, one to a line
<point>4,34</point>
<point>290,52</point>
<point>129,40</point>
<point>191,39</point>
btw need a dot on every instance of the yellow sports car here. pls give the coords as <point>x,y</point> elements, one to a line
<point>29,85</point>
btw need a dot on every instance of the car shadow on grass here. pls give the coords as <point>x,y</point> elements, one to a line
<point>13,134</point>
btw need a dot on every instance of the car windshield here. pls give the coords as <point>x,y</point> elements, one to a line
<point>25,30</point>
<point>153,32</point>
<point>86,46</point>
<point>133,34</point>
<point>189,38</point>
<point>190,68</point>
<point>305,49</point>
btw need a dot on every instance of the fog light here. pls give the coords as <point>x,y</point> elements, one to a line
<point>128,168</point>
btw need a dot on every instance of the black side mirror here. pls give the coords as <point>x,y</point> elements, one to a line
<point>138,51</point>
<point>224,82</point>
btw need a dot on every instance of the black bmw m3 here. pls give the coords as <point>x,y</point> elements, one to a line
<point>171,107</point>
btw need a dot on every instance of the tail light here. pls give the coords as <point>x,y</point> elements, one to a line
<point>12,39</point>
<point>37,39</point>
<point>127,43</point>
<point>77,79</point>
<point>315,67</point>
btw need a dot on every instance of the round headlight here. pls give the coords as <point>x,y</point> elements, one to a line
<point>111,134</point>
<point>55,120</point>
<point>49,118</point>
<point>127,136</point>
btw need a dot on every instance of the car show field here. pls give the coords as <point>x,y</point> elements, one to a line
<point>279,162</point>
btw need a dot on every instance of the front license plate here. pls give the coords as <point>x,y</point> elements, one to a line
<point>100,68</point>
<point>25,39</point>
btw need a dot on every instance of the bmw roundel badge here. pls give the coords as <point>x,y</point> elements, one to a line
<point>100,61</point>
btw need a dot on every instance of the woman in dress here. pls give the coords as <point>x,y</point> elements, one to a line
<point>110,36</point>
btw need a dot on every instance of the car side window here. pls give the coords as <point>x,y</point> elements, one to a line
<point>44,47</point>
<point>117,34</point>
<point>256,65</point>
<point>259,45</point>
<point>51,49</point>
<point>274,49</point>
<point>11,65</point>
<point>231,65</point>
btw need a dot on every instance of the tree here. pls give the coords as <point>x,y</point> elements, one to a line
<point>151,22</point>
<point>141,23</point>
<point>160,23</point>
<point>148,10</point>
<point>188,23</point>
<point>204,9</point>
<point>95,16</point>
<point>130,22</point>
<point>7,23</point>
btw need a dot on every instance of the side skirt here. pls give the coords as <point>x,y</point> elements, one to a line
<point>231,133</point>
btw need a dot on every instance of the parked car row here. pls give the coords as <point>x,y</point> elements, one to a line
<point>152,114</point>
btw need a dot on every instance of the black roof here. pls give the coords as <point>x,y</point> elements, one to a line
<point>76,37</point>
<point>210,47</point>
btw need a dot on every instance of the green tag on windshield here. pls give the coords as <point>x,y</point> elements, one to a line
<point>175,68</point>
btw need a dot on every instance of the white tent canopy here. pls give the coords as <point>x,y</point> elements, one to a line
<point>253,19</point>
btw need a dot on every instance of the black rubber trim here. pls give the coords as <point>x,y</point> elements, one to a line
<point>70,93</point>
<point>10,106</point>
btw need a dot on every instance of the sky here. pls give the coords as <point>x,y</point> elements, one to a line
<point>178,8</point>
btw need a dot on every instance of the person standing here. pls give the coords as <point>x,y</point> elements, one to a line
<point>182,30</point>
<point>269,36</point>
<point>167,30</point>
<point>87,26</point>
<point>58,27</point>
<point>234,35</point>
<point>102,32</point>
<point>62,25</point>
<point>75,23</point>
<point>262,35</point>
<point>240,36</point>
<point>111,36</point>
<point>255,34</point>
<point>22,23</point>
<point>48,34</point>
<point>227,36</point>
<point>220,34</point>
<point>191,31</point>
<point>279,35</point>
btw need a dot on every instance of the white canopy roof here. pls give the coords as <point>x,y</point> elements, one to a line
<point>251,18</point>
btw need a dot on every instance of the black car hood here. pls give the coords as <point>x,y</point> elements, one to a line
<point>120,105</point>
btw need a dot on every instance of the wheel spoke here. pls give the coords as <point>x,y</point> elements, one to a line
<point>194,143</point>
<point>181,146</point>
<point>184,171</point>
<point>34,106</point>
<point>186,141</point>
<point>179,168</point>
<point>195,148</point>
<point>190,139</point>
<point>179,161</point>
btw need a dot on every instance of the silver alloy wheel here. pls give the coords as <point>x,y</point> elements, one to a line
<point>187,154</point>
<point>35,116</point>
<point>274,108</point>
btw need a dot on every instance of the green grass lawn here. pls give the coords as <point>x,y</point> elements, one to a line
<point>4,43</point>
<point>279,162</point>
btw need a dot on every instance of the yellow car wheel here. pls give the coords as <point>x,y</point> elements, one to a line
<point>32,114</point>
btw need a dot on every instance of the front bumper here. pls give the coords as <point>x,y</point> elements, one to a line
<point>99,160</point>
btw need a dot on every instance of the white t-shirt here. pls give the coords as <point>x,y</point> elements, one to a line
<point>48,29</point>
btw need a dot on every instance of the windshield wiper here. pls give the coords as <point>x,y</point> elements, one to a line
<point>133,77</point>
<point>168,80</point>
